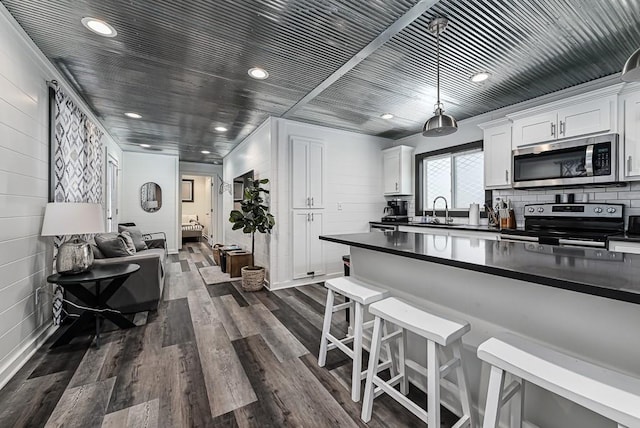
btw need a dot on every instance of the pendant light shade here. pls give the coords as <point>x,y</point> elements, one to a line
<point>631,70</point>
<point>440,124</point>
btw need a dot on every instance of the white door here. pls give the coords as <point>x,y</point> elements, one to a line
<point>585,118</point>
<point>497,157</point>
<point>391,172</point>
<point>315,245</point>
<point>299,247</point>
<point>314,177</point>
<point>535,129</point>
<point>112,195</point>
<point>299,189</point>
<point>208,203</point>
<point>631,144</point>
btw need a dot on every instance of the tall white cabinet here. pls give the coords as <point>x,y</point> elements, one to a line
<point>497,154</point>
<point>307,203</point>
<point>631,147</point>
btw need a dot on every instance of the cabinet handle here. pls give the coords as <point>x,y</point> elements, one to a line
<point>308,217</point>
<point>562,126</point>
<point>312,203</point>
<point>396,186</point>
<point>629,164</point>
<point>311,216</point>
<point>506,175</point>
<point>553,129</point>
<point>308,201</point>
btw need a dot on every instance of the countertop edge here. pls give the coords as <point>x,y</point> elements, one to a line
<point>538,279</point>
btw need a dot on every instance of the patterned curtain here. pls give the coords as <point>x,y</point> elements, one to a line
<point>78,166</point>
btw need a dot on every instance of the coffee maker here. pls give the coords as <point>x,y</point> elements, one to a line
<point>396,211</point>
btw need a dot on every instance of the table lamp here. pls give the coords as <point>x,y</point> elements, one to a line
<point>73,218</point>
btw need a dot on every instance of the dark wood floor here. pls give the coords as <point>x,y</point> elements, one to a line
<point>210,356</point>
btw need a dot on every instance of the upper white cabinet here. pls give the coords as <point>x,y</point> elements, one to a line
<point>307,173</point>
<point>497,154</point>
<point>631,146</point>
<point>397,171</point>
<point>593,113</point>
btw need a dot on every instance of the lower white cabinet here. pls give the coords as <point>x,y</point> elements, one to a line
<point>307,249</point>
<point>625,247</point>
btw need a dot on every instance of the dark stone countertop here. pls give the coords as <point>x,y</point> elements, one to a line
<point>593,271</point>
<point>625,237</point>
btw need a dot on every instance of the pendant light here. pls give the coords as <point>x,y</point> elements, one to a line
<point>440,124</point>
<point>631,70</point>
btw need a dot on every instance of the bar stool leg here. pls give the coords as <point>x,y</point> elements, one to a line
<point>326,328</point>
<point>404,382</point>
<point>389,351</point>
<point>433,384</point>
<point>517,407</point>
<point>372,370</point>
<point>356,375</point>
<point>465,395</point>
<point>494,398</point>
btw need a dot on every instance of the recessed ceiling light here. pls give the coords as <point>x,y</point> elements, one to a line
<point>133,115</point>
<point>258,73</point>
<point>205,152</point>
<point>220,129</point>
<point>386,116</point>
<point>145,146</point>
<point>480,77</point>
<point>99,27</point>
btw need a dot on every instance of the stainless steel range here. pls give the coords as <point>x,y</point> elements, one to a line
<point>583,225</point>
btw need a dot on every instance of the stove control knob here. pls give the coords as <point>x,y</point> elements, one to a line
<point>531,209</point>
<point>597,210</point>
<point>540,210</point>
<point>611,210</point>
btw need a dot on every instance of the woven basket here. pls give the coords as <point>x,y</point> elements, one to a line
<point>252,279</point>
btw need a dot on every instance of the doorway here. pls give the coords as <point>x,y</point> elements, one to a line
<point>198,208</point>
<point>111,206</point>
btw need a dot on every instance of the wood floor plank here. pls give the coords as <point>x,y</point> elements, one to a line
<point>248,296</point>
<point>196,257</point>
<point>32,403</point>
<point>227,385</point>
<point>63,358</point>
<point>201,308</point>
<point>177,285</point>
<point>289,395</point>
<point>143,415</point>
<point>177,327</point>
<point>83,406</point>
<point>90,368</point>
<point>183,397</point>
<point>227,288</point>
<point>184,265</point>
<point>227,320</point>
<point>284,345</point>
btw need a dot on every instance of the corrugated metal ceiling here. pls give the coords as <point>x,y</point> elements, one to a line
<point>183,64</point>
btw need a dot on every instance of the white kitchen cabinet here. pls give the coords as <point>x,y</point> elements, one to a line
<point>497,154</point>
<point>307,173</point>
<point>397,171</point>
<point>625,247</point>
<point>582,115</point>
<point>307,249</point>
<point>631,145</point>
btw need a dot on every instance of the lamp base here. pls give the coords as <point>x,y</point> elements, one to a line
<point>74,256</point>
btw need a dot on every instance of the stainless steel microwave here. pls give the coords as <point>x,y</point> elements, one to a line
<point>576,162</point>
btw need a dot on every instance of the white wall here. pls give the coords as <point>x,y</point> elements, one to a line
<point>353,180</point>
<point>254,153</point>
<point>140,168</point>
<point>201,203</point>
<point>25,257</point>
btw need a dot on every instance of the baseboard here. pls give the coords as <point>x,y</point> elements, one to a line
<point>303,281</point>
<point>26,352</point>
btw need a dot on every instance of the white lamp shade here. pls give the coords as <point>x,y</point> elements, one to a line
<point>72,218</point>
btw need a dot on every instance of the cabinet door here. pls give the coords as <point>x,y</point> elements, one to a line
<point>391,172</point>
<point>631,145</point>
<point>585,118</point>
<point>497,157</point>
<point>299,248</point>
<point>535,129</point>
<point>315,245</point>
<point>299,155</point>
<point>315,177</point>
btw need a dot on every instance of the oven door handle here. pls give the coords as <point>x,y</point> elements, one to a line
<point>580,243</point>
<point>588,160</point>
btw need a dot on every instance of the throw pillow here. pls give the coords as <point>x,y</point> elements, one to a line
<point>112,245</point>
<point>97,254</point>
<point>136,235</point>
<point>131,247</point>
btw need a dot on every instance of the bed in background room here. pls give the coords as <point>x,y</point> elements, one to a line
<point>191,227</point>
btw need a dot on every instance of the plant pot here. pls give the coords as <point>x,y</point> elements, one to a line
<point>252,278</point>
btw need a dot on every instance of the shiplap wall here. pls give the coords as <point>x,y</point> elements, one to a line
<point>25,257</point>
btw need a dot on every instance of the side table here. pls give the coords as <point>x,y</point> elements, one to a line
<point>75,284</point>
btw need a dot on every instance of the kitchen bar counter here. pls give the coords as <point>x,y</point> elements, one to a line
<point>593,271</point>
<point>582,302</point>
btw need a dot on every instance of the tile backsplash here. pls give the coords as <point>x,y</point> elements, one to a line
<point>629,196</point>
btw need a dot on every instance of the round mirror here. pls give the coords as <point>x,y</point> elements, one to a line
<point>150,197</point>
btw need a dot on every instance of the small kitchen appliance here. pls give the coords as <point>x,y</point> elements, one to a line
<point>396,211</point>
<point>581,225</point>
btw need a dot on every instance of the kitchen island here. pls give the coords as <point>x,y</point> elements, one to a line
<point>580,301</point>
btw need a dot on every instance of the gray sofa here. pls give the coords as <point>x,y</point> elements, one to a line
<point>142,291</point>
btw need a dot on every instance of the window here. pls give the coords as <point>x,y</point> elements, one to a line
<point>456,173</point>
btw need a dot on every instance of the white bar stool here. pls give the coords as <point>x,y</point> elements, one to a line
<point>360,295</point>
<point>609,393</point>
<point>440,332</point>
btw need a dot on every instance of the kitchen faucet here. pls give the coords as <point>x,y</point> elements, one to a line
<point>446,211</point>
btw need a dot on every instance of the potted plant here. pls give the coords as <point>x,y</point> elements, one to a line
<point>253,217</point>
